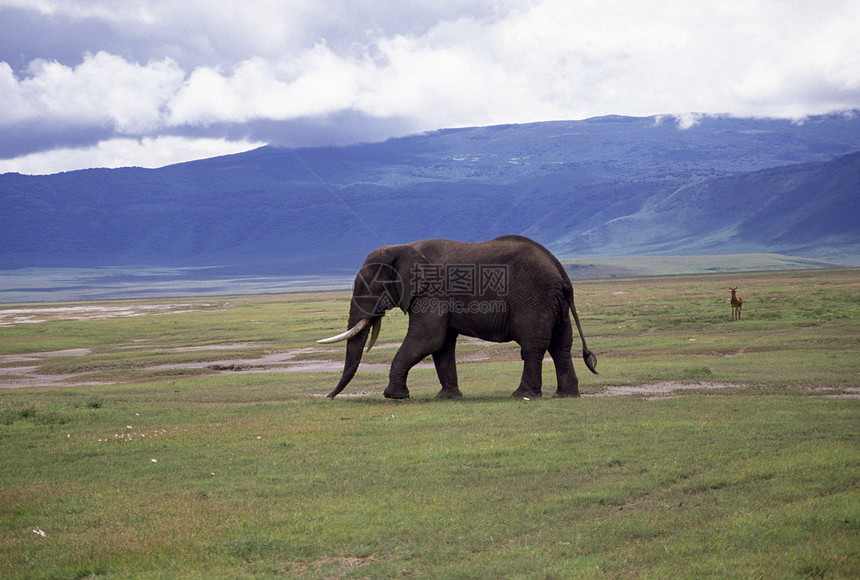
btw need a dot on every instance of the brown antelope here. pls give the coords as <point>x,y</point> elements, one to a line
<point>736,304</point>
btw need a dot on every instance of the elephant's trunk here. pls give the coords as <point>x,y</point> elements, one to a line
<point>354,348</point>
<point>356,337</point>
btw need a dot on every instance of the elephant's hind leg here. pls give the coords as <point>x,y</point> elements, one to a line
<point>532,354</point>
<point>446,368</point>
<point>568,383</point>
<point>559,350</point>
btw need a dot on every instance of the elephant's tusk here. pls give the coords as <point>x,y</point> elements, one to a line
<point>374,333</point>
<point>348,334</point>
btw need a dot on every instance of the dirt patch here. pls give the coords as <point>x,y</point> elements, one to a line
<point>828,393</point>
<point>40,356</point>
<point>13,316</point>
<point>346,395</point>
<point>22,370</point>
<point>17,376</point>
<point>281,362</point>
<point>660,390</point>
<point>666,389</point>
<point>330,567</point>
<point>35,379</point>
<point>199,348</point>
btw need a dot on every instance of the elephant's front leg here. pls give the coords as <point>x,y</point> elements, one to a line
<point>404,360</point>
<point>421,340</point>
<point>446,368</point>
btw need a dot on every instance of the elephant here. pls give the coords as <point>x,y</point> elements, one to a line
<point>507,289</point>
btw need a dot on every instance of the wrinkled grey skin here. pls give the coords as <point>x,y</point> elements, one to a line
<point>532,308</point>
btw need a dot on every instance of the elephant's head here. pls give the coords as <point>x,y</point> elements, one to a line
<point>383,282</point>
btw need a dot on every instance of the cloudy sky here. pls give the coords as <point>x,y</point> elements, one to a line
<point>90,83</point>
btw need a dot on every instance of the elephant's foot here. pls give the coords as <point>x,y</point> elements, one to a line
<point>561,394</point>
<point>449,393</point>
<point>524,393</point>
<point>396,392</point>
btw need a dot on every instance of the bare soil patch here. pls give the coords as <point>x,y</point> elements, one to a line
<point>13,316</point>
<point>40,356</point>
<point>828,393</point>
<point>660,390</point>
<point>23,370</point>
<point>17,376</point>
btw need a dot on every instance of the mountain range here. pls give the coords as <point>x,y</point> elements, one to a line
<point>609,186</point>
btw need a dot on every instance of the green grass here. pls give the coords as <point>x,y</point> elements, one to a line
<point>192,474</point>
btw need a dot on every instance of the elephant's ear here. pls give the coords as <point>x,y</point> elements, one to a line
<point>409,263</point>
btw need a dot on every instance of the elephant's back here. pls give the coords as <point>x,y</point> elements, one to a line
<point>527,262</point>
<point>533,258</point>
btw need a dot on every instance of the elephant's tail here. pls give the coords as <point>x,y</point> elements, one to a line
<point>589,357</point>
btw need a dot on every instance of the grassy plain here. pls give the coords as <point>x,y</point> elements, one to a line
<point>192,460</point>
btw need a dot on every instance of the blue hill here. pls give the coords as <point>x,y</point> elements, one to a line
<point>605,186</point>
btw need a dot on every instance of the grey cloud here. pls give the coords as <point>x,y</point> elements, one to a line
<point>341,128</point>
<point>35,135</point>
<point>200,33</point>
<point>28,35</point>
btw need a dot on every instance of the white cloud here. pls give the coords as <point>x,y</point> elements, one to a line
<point>314,84</point>
<point>812,66</point>
<point>14,106</point>
<point>147,152</point>
<point>104,88</point>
